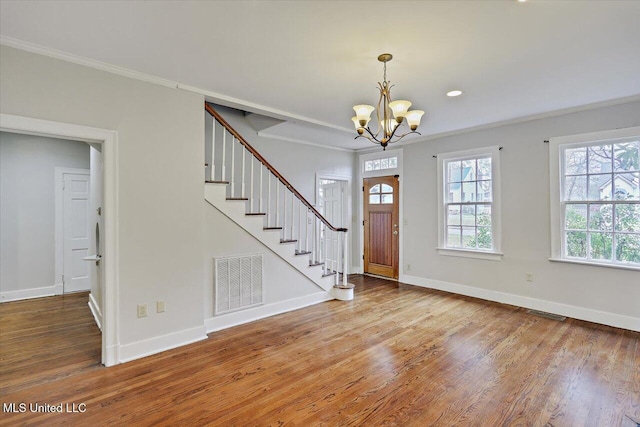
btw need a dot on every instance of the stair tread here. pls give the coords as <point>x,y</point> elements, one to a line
<point>288,241</point>
<point>255,213</point>
<point>315,264</point>
<point>331,273</point>
<point>237,198</point>
<point>303,252</point>
<point>272,228</point>
<point>216,182</point>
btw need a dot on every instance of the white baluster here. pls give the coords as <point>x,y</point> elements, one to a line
<point>277,199</point>
<point>314,242</point>
<point>251,187</point>
<point>242,192</point>
<point>233,165</point>
<point>261,190</point>
<point>213,151</point>
<point>345,258</point>
<point>224,157</point>
<point>335,254</point>
<point>325,249</point>
<point>268,199</point>
<point>284,215</point>
<point>306,230</point>
<point>292,217</point>
<point>299,225</point>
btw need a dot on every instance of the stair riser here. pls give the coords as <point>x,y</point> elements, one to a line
<point>215,194</point>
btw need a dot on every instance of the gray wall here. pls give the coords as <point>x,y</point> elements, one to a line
<point>525,217</point>
<point>160,176</point>
<point>27,202</point>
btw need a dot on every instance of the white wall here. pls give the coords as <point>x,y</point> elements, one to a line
<point>27,209</point>
<point>160,176</point>
<point>223,238</point>
<point>594,293</point>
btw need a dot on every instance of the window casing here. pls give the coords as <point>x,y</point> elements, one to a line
<point>595,202</point>
<point>469,203</point>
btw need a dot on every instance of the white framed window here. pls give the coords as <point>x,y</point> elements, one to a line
<point>469,211</point>
<point>595,198</point>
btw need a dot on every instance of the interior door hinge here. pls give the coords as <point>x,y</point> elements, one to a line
<point>362,222</point>
<point>362,256</point>
<point>363,188</point>
<point>63,279</point>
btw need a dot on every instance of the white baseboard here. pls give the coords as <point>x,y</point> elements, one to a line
<point>20,294</point>
<point>140,349</point>
<point>582,313</point>
<point>95,310</point>
<point>355,269</point>
<point>256,313</point>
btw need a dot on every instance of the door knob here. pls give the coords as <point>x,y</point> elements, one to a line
<point>395,232</point>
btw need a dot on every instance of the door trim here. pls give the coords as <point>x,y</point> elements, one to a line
<point>59,224</point>
<point>358,264</point>
<point>109,141</point>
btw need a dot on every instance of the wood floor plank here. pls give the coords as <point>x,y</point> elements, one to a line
<point>395,355</point>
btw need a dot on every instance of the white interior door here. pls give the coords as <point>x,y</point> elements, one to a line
<point>76,233</point>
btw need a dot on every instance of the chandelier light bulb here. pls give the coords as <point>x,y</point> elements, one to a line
<point>363,113</point>
<point>399,109</point>
<point>413,118</point>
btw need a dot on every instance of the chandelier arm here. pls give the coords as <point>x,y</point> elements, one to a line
<point>402,136</point>
<point>372,138</point>
<point>378,109</point>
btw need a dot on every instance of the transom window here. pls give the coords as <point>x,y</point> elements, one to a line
<point>600,201</point>
<point>469,202</point>
<point>381,164</point>
<point>381,194</point>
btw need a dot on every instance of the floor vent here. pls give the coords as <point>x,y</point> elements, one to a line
<point>238,283</point>
<point>547,315</point>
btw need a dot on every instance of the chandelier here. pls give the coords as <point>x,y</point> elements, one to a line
<point>387,126</point>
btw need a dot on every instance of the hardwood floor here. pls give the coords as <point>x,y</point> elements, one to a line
<point>395,355</point>
<point>46,339</point>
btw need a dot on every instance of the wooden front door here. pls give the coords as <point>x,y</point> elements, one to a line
<point>381,228</point>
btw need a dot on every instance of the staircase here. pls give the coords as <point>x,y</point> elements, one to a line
<point>243,186</point>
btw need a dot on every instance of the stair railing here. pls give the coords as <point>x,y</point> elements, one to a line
<point>232,160</point>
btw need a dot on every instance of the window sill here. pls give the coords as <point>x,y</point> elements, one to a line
<point>466,253</point>
<point>596,264</point>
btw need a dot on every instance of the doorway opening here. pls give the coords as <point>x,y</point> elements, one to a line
<point>104,307</point>
<point>333,202</point>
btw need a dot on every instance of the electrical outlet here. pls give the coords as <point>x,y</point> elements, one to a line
<point>528,277</point>
<point>142,310</point>
<point>160,307</point>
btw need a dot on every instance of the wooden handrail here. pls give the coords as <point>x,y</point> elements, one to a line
<point>273,170</point>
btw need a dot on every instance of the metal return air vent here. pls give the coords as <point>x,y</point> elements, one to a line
<point>238,283</point>
<point>547,315</point>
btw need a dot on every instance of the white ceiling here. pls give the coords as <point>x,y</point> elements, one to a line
<point>309,62</point>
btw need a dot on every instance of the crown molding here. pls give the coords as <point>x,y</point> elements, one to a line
<point>215,97</point>
<point>554,113</point>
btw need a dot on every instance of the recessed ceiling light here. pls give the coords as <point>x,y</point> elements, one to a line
<point>521,1</point>
<point>453,93</point>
